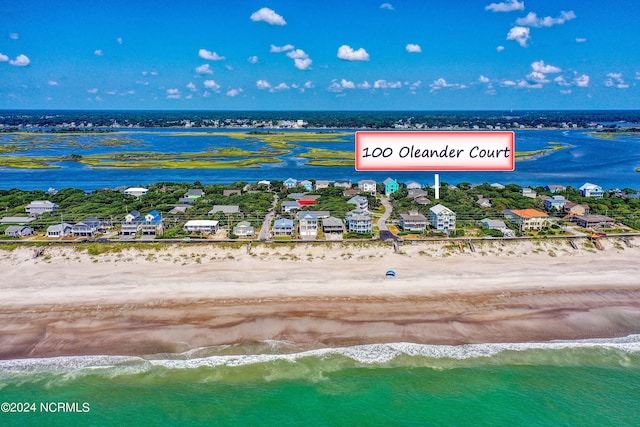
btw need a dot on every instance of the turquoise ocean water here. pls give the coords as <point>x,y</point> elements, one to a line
<point>581,383</point>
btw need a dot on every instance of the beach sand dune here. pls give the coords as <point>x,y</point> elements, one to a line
<point>170,298</point>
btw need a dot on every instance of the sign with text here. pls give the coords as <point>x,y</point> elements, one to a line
<point>435,151</point>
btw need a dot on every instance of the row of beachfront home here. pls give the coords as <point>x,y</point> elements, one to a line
<point>441,218</point>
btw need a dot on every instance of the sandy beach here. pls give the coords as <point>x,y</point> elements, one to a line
<point>155,298</point>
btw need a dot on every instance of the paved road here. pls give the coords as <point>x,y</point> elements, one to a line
<point>264,231</point>
<point>382,221</point>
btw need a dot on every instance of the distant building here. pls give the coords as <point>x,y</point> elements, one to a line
<point>225,209</point>
<point>59,230</point>
<point>413,185</point>
<point>592,221</point>
<point>322,184</point>
<point>289,205</point>
<point>591,190</point>
<point>528,192</point>
<point>18,231</point>
<point>361,202</point>
<point>343,183</point>
<point>88,227</point>
<point>554,188</point>
<point>442,218</point>
<point>39,207</point>
<point>367,186</point>
<point>308,185</point>
<point>390,186</point>
<point>136,191</point>
<point>556,203</point>
<point>291,183</point>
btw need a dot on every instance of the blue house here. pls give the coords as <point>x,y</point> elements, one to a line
<point>390,186</point>
<point>291,183</point>
<point>308,185</point>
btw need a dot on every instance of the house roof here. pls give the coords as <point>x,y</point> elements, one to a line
<point>16,220</point>
<point>589,186</point>
<point>201,223</point>
<point>357,200</point>
<point>58,227</point>
<point>366,182</point>
<point>283,223</point>
<point>359,215</point>
<point>438,209</point>
<point>413,217</point>
<point>528,213</point>
<point>388,181</point>
<point>332,221</point>
<point>16,228</point>
<point>225,209</point>
<point>194,192</point>
<point>493,223</point>
<point>243,224</point>
<point>41,203</point>
<point>308,216</point>
<point>291,203</point>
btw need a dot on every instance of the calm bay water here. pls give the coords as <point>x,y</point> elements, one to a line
<point>609,163</point>
<point>594,382</point>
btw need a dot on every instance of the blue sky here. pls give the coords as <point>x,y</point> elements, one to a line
<point>329,55</point>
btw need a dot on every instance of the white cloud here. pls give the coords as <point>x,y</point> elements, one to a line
<point>173,93</point>
<point>346,84</point>
<point>500,48</point>
<point>415,85</point>
<point>537,77</point>
<point>204,69</point>
<point>300,59</point>
<point>442,83</point>
<point>561,81</point>
<point>349,54</point>
<point>580,40</point>
<point>364,85</point>
<point>541,67</point>
<point>210,56</point>
<point>523,84</point>
<point>519,34</point>
<point>52,83</point>
<point>14,36</point>
<point>211,84</point>
<point>20,61</point>
<point>252,59</point>
<point>3,58</point>
<point>509,6</point>
<point>234,92</point>
<point>153,73</point>
<point>192,87</point>
<point>269,16</point>
<point>111,92</point>
<point>383,84</point>
<point>565,91</point>
<point>532,20</point>
<point>92,90</point>
<point>615,80</point>
<point>387,6</point>
<point>119,40</point>
<point>98,52</point>
<point>582,81</point>
<point>507,83</point>
<point>413,48</point>
<point>281,86</point>
<point>263,84</point>
<point>483,79</point>
<point>228,67</point>
<point>280,49</point>
<point>308,84</point>
<point>637,77</point>
<point>142,83</point>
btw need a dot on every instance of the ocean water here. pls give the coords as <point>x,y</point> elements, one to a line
<point>563,383</point>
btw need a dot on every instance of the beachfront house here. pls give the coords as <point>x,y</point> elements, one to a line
<point>59,230</point>
<point>307,225</point>
<point>332,225</point>
<point>556,203</point>
<point>591,190</point>
<point>88,227</point>
<point>359,221</point>
<point>131,224</point>
<point>442,218</point>
<point>594,221</point>
<point>202,226</point>
<point>291,183</point>
<point>136,191</point>
<point>529,219</point>
<point>39,207</point>
<point>18,231</point>
<point>361,202</point>
<point>244,229</point>
<point>282,227</point>
<point>413,221</point>
<point>390,186</point>
<point>152,224</point>
<point>367,186</point>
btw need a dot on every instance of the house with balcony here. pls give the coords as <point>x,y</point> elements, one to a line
<point>413,221</point>
<point>322,184</point>
<point>290,183</point>
<point>591,190</point>
<point>361,202</point>
<point>88,227</point>
<point>131,224</point>
<point>289,205</point>
<point>359,221</point>
<point>244,229</point>
<point>367,186</point>
<point>59,231</point>
<point>529,219</point>
<point>332,225</point>
<point>18,231</point>
<point>555,203</point>
<point>308,185</point>
<point>282,227</point>
<point>307,225</point>
<point>203,226</point>
<point>442,218</point>
<point>152,224</point>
